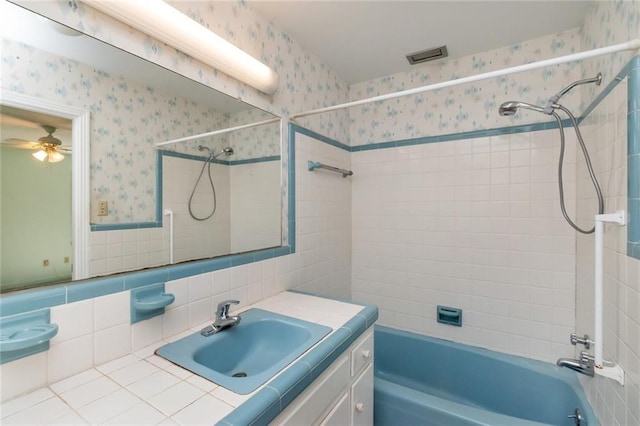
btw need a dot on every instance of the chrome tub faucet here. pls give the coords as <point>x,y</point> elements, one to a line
<point>584,365</point>
<point>223,319</point>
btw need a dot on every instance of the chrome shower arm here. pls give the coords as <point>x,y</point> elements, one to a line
<point>555,98</point>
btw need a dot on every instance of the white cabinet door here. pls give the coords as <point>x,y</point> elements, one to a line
<point>339,415</point>
<point>309,406</point>
<point>362,399</point>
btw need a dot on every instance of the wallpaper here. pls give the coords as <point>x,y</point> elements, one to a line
<point>127,119</point>
<point>466,107</point>
<point>608,23</point>
<point>305,82</point>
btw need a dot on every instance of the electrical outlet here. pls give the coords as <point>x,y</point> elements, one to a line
<point>103,208</point>
<point>66,259</point>
<point>45,262</point>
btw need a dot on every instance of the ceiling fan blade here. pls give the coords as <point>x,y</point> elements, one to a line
<point>64,149</point>
<point>19,143</point>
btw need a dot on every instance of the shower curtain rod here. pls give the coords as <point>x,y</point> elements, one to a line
<point>219,132</point>
<point>629,45</point>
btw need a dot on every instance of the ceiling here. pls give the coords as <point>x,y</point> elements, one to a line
<point>362,40</point>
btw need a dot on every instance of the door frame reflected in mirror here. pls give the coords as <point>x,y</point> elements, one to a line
<point>80,145</point>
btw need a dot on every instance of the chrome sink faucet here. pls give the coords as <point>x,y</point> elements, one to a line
<point>223,319</point>
<point>584,365</point>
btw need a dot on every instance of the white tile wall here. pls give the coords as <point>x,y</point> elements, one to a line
<point>473,224</point>
<point>255,206</point>
<point>605,134</point>
<point>323,226</point>
<point>251,227</point>
<point>126,250</point>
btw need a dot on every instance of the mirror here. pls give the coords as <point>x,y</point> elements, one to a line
<point>35,185</point>
<point>138,190</point>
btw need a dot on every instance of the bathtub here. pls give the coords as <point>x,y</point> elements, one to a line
<point>425,381</point>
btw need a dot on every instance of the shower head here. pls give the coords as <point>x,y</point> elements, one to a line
<point>511,107</point>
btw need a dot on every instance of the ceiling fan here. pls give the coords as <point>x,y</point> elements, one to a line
<point>49,147</point>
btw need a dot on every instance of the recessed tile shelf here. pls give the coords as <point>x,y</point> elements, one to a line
<point>25,334</point>
<point>149,301</point>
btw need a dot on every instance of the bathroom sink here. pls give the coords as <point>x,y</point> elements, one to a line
<point>243,357</point>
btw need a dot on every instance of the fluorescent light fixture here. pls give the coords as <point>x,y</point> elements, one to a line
<point>167,24</point>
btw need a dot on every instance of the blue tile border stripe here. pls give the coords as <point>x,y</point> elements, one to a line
<point>317,136</point>
<point>157,223</point>
<point>264,406</point>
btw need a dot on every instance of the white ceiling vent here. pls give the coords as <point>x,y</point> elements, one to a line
<point>428,55</point>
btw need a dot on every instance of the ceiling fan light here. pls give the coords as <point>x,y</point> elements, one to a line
<point>40,155</point>
<point>55,157</point>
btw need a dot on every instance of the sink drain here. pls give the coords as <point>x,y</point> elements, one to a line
<point>240,374</point>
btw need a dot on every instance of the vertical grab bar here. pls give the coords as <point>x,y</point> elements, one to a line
<point>169,212</point>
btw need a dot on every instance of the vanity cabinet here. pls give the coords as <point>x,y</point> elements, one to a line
<point>341,395</point>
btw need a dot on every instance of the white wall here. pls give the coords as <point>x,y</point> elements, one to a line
<point>35,219</point>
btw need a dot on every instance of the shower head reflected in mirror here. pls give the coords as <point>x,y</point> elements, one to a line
<point>511,107</point>
<point>228,151</point>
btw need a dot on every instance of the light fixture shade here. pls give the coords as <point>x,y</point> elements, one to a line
<point>55,156</point>
<point>40,155</point>
<point>167,24</point>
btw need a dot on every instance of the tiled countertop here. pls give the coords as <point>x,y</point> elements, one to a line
<point>142,388</point>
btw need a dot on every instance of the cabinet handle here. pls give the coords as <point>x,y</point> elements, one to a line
<point>359,406</point>
<point>366,354</point>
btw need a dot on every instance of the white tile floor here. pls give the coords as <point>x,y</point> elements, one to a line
<point>144,389</point>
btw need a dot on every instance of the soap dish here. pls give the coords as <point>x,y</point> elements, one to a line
<point>149,301</point>
<point>25,334</point>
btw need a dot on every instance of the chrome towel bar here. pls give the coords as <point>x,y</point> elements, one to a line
<point>312,165</point>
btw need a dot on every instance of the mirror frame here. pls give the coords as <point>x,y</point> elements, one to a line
<point>80,147</point>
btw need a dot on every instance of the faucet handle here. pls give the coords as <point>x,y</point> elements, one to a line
<point>223,308</point>
<point>586,358</point>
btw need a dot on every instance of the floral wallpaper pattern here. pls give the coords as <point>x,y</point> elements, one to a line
<point>305,83</point>
<point>608,23</point>
<point>127,118</point>
<point>467,107</point>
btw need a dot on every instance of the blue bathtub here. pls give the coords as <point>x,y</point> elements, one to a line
<point>425,381</point>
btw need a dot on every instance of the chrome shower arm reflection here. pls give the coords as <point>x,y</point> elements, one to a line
<point>511,107</point>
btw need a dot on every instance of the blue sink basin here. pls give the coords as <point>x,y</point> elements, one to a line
<point>244,357</point>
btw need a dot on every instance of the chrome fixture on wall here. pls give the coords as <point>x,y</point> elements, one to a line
<point>228,151</point>
<point>583,365</point>
<point>511,107</point>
